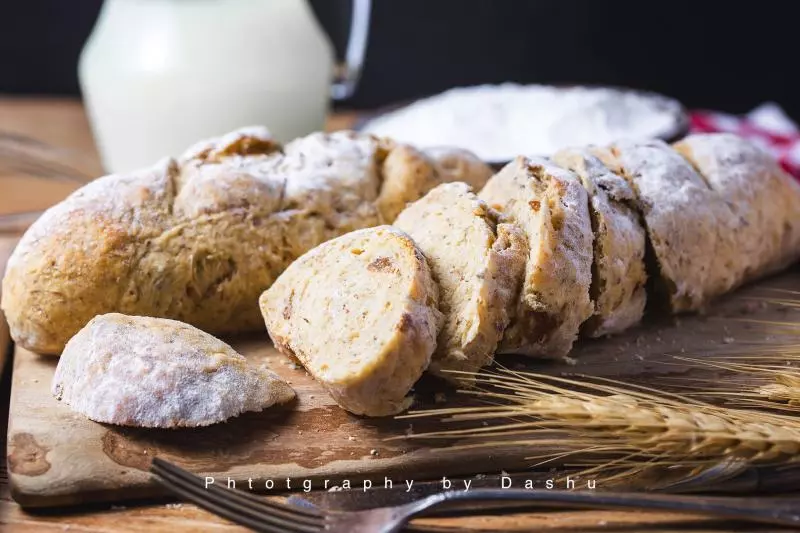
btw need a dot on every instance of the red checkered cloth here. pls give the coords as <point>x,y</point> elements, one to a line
<point>767,126</point>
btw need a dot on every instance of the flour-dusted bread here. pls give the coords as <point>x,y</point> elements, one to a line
<point>199,238</point>
<point>618,271</point>
<point>409,173</point>
<point>550,204</point>
<point>159,373</point>
<point>681,215</point>
<point>478,263</point>
<point>360,313</point>
<point>761,208</point>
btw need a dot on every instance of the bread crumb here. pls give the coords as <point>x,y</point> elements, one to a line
<point>351,438</point>
<point>174,505</point>
<point>373,452</point>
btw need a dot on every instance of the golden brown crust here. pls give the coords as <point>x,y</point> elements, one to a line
<point>199,238</point>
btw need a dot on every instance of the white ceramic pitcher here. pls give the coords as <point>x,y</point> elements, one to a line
<point>159,75</point>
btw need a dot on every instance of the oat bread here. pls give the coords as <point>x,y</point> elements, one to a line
<point>409,173</point>
<point>550,204</point>
<point>761,218</point>
<point>477,261</point>
<point>159,373</point>
<point>618,270</point>
<point>197,239</point>
<point>360,313</point>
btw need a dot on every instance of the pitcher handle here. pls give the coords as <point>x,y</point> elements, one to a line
<point>349,72</point>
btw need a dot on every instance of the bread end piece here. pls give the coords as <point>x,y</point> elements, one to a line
<point>159,373</point>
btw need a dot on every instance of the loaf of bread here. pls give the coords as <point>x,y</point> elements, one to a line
<point>360,312</point>
<point>618,271</point>
<point>760,215</point>
<point>682,218</point>
<point>199,238</point>
<point>159,373</point>
<point>550,205</point>
<point>477,261</point>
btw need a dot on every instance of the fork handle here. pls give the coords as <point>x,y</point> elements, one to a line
<point>760,510</point>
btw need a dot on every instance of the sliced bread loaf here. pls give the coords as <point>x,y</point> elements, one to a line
<point>478,263</point>
<point>159,373</point>
<point>618,271</point>
<point>550,205</point>
<point>360,312</point>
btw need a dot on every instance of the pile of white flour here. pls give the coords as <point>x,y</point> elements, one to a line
<point>499,122</point>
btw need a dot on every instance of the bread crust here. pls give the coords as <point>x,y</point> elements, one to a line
<point>681,215</point>
<point>478,262</point>
<point>618,271</point>
<point>159,373</point>
<point>550,204</point>
<point>360,312</point>
<point>197,239</point>
<point>760,215</point>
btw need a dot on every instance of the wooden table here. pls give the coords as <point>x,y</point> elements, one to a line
<point>61,125</point>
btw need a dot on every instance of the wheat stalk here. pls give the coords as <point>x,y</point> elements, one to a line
<point>610,424</point>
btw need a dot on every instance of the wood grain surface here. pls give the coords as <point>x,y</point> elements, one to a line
<point>58,457</point>
<point>62,124</point>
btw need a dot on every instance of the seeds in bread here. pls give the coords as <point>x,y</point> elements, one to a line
<point>762,215</point>
<point>159,373</point>
<point>681,217</point>
<point>477,262</point>
<point>196,239</point>
<point>618,271</point>
<point>550,205</point>
<point>360,312</point>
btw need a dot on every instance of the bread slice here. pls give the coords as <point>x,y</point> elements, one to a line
<point>761,219</point>
<point>408,174</point>
<point>360,313</point>
<point>159,373</point>
<point>550,204</point>
<point>618,271</point>
<point>681,215</point>
<point>478,263</point>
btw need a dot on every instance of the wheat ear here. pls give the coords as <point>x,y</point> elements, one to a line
<point>607,423</point>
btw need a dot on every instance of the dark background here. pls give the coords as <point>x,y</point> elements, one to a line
<point>710,54</point>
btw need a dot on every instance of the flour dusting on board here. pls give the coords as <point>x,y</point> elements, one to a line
<point>499,122</point>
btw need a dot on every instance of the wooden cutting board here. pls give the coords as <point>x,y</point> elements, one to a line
<point>57,457</point>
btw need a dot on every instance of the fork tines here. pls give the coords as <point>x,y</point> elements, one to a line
<point>245,509</point>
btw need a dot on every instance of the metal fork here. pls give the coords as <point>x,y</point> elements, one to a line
<point>268,516</point>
